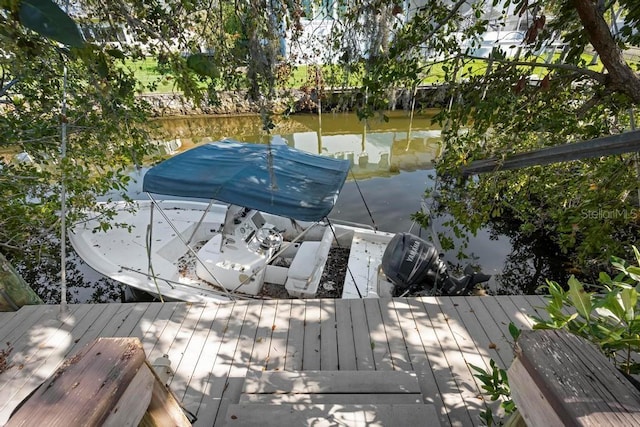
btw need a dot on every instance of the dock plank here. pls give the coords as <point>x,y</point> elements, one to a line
<point>276,358</point>
<point>378,334</point>
<point>213,346</point>
<point>499,346</point>
<point>346,346</point>
<point>218,378</point>
<point>200,381</point>
<point>396,340</point>
<point>305,382</point>
<point>192,351</point>
<point>264,415</point>
<point>460,382</point>
<point>328,336</point>
<point>260,354</point>
<point>424,354</point>
<point>239,363</point>
<point>295,339</point>
<point>312,330</point>
<point>361,336</point>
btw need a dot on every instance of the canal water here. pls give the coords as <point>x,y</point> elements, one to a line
<point>392,166</point>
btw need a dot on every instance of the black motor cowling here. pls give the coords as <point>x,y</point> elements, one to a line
<point>413,265</point>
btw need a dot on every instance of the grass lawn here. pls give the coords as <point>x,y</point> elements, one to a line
<point>301,76</point>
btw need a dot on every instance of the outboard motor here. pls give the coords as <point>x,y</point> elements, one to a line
<point>413,265</point>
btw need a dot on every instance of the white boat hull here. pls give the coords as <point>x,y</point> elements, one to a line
<point>147,250</point>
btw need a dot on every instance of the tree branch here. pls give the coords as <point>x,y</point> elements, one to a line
<point>601,78</point>
<point>621,77</point>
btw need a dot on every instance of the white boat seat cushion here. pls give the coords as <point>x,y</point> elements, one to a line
<point>208,255</point>
<point>307,266</point>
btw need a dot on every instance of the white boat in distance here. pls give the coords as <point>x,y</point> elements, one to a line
<point>265,227</point>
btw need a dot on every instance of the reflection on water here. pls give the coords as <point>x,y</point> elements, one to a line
<point>392,162</point>
<point>375,148</point>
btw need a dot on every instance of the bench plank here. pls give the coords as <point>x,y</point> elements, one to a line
<point>565,377</point>
<point>86,387</point>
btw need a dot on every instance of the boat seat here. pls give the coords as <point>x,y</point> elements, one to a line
<point>208,255</point>
<point>307,266</point>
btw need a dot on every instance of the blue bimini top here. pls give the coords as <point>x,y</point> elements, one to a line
<point>276,179</point>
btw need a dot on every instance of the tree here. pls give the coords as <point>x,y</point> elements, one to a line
<point>552,93</point>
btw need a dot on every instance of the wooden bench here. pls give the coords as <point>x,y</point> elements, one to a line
<point>559,379</point>
<point>107,383</point>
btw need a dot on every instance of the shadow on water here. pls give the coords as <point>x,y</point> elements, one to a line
<point>392,163</point>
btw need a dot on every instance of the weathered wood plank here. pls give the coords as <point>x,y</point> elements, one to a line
<point>131,322</point>
<point>169,331</point>
<point>230,392</point>
<point>40,352</point>
<point>147,319</point>
<point>400,356</point>
<point>528,307</point>
<point>604,146</point>
<point>513,314</point>
<point>264,415</point>
<point>276,358</point>
<point>323,398</point>
<point>156,327</point>
<point>177,349</point>
<point>428,362</point>
<point>204,374</point>
<point>134,401</point>
<point>378,334</point>
<point>346,346</point>
<point>332,382</point>
<point>192,351</point>
<point>499,346</point>
<point>217,381</point>
<point>474,328</point>
<point>328,335</point>
<point>86,387</point>
<point>361,336</point>
<point>438,346</point>
<point>164,409</point>
<point>311,349</point>
<point>559,375</point>
<point>295,340</point>
<point>471,353</point>
<point>259,356</point>
<point>20,320</point>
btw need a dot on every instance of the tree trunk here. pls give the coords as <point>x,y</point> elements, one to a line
<point>621,77</point>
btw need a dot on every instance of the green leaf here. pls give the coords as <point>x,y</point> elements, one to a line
<point>580,299</point>
<point>634,273</point>
<point>514,331</point>
<point>203,64</point>
<point>47,19</point>
<point>629,302</point>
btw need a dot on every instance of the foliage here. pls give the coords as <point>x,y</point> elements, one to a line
<point>495,383</point>
<point>550,92</point>
<point>608,317</point>
<point>47,86</point>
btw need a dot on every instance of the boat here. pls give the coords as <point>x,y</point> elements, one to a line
<point>231,220</point>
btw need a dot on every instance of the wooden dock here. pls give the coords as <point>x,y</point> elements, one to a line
<point>212,347</point>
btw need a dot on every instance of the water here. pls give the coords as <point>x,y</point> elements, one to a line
<point>392,168</point>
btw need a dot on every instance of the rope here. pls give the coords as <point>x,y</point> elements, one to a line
<point>375,227</point>
<point>348,269</point>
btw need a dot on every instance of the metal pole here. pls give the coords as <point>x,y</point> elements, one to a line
<point>63,197</point>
